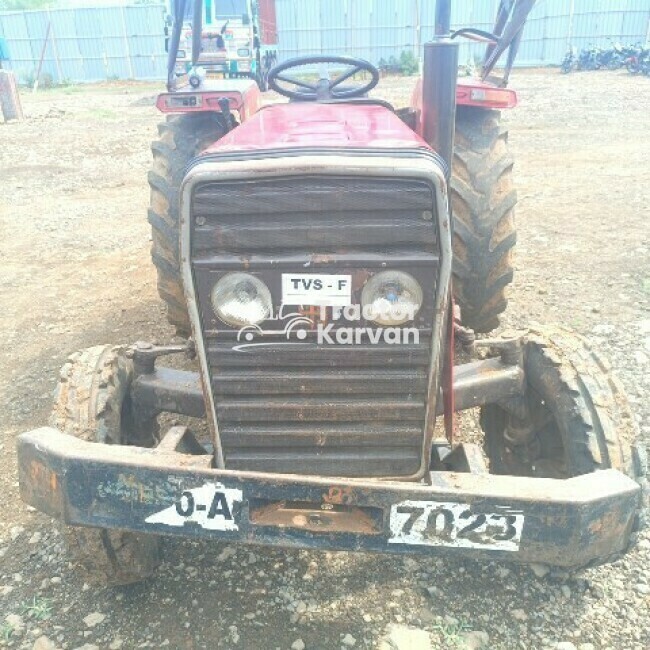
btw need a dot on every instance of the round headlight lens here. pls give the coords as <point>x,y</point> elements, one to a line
<point>241,299</point>
<point>391,298</point>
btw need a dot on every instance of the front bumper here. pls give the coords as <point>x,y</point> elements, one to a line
<point>162,491</point>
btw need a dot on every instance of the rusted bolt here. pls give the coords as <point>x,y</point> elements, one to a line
<point>200,221</point>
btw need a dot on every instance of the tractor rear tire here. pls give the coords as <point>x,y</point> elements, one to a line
<point>483,200</point>
<point>578,414</point>
<point>181,138</point>
<point>92,403</point>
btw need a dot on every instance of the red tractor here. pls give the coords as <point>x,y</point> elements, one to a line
<point>312,251</point>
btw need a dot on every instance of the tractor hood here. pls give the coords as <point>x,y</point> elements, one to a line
<point>320,125</point>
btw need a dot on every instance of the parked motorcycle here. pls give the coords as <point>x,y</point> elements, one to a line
<point>570,60</point>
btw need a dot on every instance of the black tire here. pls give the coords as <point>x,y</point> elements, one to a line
<point>92,403</point>
<point>483,202</point>
<point>577,409</point>
<point>181,138</point>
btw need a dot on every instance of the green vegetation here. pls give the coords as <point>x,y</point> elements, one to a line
<point>452,633</point>
<point>407,63</point>
<point>24,5</point>
<point>39,609</point>
<point>6,631</point>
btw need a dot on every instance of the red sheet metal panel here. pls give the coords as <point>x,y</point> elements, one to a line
<point>268,22</point>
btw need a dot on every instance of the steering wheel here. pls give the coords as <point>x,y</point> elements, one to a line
<point>325,88</point>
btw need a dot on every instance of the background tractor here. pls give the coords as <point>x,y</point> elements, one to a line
<point>230,41</point>
<point>309,247</point>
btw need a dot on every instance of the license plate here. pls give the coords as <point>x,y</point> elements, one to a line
<point>211,506</point>
<point>316,289</point>
<point>434,523</point>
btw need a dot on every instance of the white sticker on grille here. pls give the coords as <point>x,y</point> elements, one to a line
<point>319,289</point>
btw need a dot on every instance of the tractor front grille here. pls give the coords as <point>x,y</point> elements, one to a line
<point>347,410</point>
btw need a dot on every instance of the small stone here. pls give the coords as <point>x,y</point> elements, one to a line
<point>227,552</point>
<point>475,640</point>
<point>566,591</point>
<point>116,644</point>
<point>301,606</point>
<point>565,645</point>
<point>94,619</point>
<point>43,643</point>
<point>586,646</point>
<point>15,532</point>
<point>298,644</point>
<point>642,589</point>
<point>87,646</point>
<point>402,637</point>
<point>55,580</point>
<point>519,614</point>
<point>35,538</point>
<point>540,570</point>
<point>349,641</point>
<point>503,572</point>
<point>15,622</point>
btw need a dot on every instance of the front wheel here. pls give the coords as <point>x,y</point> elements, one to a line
<point>92,403</point>
<point>576,420</point>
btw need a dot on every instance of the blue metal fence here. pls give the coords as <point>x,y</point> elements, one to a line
<point>127,41</point>
<point>88,44</point>
<point>380,29</point>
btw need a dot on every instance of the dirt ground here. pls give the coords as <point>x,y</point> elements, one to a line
<point>75,271</point>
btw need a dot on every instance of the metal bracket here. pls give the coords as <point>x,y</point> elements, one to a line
<point>509,347</point>
<point>144,354</point>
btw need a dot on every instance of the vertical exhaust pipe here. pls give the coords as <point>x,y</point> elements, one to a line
<point>439,76</point>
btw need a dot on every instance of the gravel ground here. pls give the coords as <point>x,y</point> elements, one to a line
<point>74,272</point>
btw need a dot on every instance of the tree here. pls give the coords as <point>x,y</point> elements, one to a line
<point>24,5</point>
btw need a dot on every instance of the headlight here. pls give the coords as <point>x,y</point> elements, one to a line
<point>243,51</point>
<point>391,298</point>
<point>240,299</point>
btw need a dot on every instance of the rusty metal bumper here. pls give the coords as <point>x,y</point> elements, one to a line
<point>570,522</point>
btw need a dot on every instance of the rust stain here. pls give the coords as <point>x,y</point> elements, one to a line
<point>42,476</point>
<point>338,495</point>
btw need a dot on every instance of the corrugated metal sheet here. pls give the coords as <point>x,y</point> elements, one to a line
<point>88,44</point>
<point>128,42</point>
<point>380,29</point>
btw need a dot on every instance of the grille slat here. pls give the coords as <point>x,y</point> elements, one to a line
<point>321,434</point>
<point>311,194</point>
<point>222,355</point>
<point>352,462</point>
<point>298,409</point>
<point>314,260</point>
<point>315,232</point>
<point>353,410</point>
<point>318,381</point>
